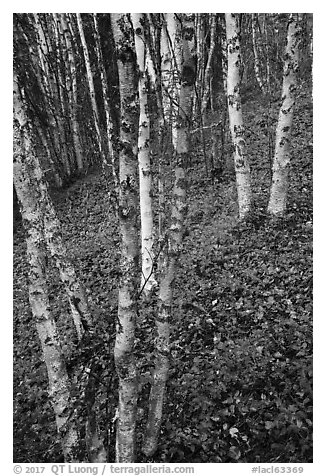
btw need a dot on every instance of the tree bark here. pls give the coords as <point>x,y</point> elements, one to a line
<point>208,70</point>
<point>108,116</point>
<point>241,164</point>
<point>47,87</point>
<point>155,50</point>
<point>29,198</point>
<point>163,317</point>
<point>52,230</point>
<point>282,155</point>
<point>71,83</point>
<point>62,107</point>
<point>254,21</point>
<point>128,287</point>
<point>224,53</point>
<point>91,88</point>
<point>148,281</point>
<point>165,72</point>
<point>200,46</point>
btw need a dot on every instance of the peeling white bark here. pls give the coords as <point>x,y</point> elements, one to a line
<point>282,156</point>
<point>108,116</point>
<point>129,284</point>
<point>241,163</point>
<point>91,86</point>
<point>71,82</point>
<point>180,128</point>
<point>148,281</point>
<point>29,198</point>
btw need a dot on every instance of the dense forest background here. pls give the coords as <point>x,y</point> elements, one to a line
<point>209,315</point>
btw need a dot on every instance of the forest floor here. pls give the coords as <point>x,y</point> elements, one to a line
<point>240,385</point>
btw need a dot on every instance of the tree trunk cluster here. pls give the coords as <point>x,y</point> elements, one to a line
<point>168,60</point>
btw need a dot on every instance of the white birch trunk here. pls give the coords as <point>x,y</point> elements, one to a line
<point>44,78</point>
<point>128,287</point>
<point>59,384</point>
<point>52,231</point>
<point>157,51</point>
<point>282,155</point>
<point>254,19</point>
<point>46,136</point>
<point>173,29</point>
<point>208,70</point>
<point>77,297</point>
<point>148,281</point>
<point>224,52</point>
<point>162,321</point>
<point>241,163</point>
<point>91,87</point>
<point>267,50</point>
<point>200,37</point>
<point>71,82</point>
<point>62,103</point>
<point>165,73</point>
<point>108,117</point>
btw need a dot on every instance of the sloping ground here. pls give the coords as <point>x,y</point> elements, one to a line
<point>240,382</point>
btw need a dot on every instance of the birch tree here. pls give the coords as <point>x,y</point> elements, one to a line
<point>128,286</point>
<point>200,51</point>
<point>61,99</point>
<point>254,21</point>
<point>71,83</point>
<point>224,52</point>
<point>165,72</point>
<point>267,50</point>
<point>158,50</point>
<point>29,198</point>
<point>44,236</point>
<point>52,231</point>
<point>145,173</point>
<point>182,54</point>
<point>91,87</point>
<point>208,69</point>
<point>241,163</point>
<point>282,154</point>
<point>108,116</point>
<point>46,83</point>
<point>45,134</point>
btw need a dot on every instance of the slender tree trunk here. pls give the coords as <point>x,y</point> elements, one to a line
<point>154,49</point>
<point>208,70</point>
<point>52,230</point>
<point>62,100</point>
<point>59,384</point>
<point>267,50</point>
<point>254,21</point>
<point>71,82</point>
<point>78,304</point>
<point>200,36</point>
<point>128,287</point>
<point>46,84</point>
<point>44,132</point>
<point>241,164</point>
<point>145,174</point>
<point>162,321</point>
<point>91,88</point>
<point>224,53</point>
<point>108,116</point>
<point>282,155</point>
<point>173,29</point>
<point>166,73</point>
